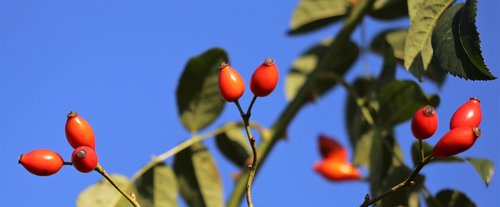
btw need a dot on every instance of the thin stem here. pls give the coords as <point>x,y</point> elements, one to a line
<point>420,145</point>
<point>251,168</point>
<point>408,181</point>
<point>67,163</point>
<point>280,125</point>
<point>101,171</point>
<point>193,140</point>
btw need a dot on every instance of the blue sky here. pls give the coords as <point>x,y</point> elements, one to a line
<point>118,62</point>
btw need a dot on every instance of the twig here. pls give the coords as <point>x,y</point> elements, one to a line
<point>101,171</point>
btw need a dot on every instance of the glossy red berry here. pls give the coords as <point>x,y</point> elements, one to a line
<point>84,159</point>
<point>264,78</point>
<point>457,140</point>
<point>231,85</point>
<point>467,115</point>
<point>41,162</point>
<point>78,131</point>
<point>424,123</point>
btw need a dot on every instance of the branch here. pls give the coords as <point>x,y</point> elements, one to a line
<point>279,127</point>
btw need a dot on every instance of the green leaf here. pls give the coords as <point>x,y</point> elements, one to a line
<point>310,15</point>
<point>394,37</point>
<point>198,99</point>
<point>389,9</point>
<point>405,196</point>
<point>484,167</point>
<point>418,47</point>
<point>469,37</point>
<point>449,51</point>
<point>198,177</point>
<point>400,99</point>
<point>103,194</point>
<point>356,124</point>
<point>158,187</point>
<point>234,146</point>
<point>450,198</point>
<point>415,154</point>
<point>305,64</point>
<point>413,7</point>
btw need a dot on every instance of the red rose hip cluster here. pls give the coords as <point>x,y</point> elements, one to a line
<point>79,133</point>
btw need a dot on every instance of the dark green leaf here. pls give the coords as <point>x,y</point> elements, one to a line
<point>310,15</point>
<point>418,48</point>
<point>389,9</point>
<point>451,198</point>
<point>469,38</point>
<point>356,124</point>
<point>449,51</point>
<point>400,99</point>
<point>158,187</point>
<point>415,154</point>
<point>234,146</point>
<point>198,99</point>
<point>198,177</point>
<point>484,167</point>
<point>103,194</point>
<point>303,65</point>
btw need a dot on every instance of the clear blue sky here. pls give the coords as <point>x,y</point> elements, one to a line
<point>118,62</point>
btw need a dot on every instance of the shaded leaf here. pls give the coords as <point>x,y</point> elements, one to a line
<point>198,177</point>
<point>356,124</point>
<point>103,194</point>
<point>234,146</point>
<point>449,51</point>
<point>305,64</point>
<point>418,48</point>
<point>451,198</point>
<point>400,99</point>
<point>198,99</point>
<point>415,154</point>
<point>484,167</point>
<point>310,15</point>
<point>157,187</point>
<point>389,9</point>
<point>404,196</point>
<point>469,37</point>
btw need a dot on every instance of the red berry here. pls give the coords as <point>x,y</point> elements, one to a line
<point>457,140</point>
<point>41,162</point>
<point>264,78</point>
<point>231,85</point>
<point>335,170</point>
<point>84,159</point>
<point>468,115</point>
<point>424,123</point>
<point>78,131</point>
<point>331,149</point>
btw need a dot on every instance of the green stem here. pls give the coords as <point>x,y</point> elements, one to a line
<point>193,140</point>
<point>420,145</point>
<point>279,127</point>
<point>101,171</point>
<point>408,181</point>
<point>253,167</point>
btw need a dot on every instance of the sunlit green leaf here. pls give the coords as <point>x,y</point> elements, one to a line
<point>418,48</point>
<point>310,15</point>
<point>234,146</point>
<point>400,99</point>
<point>157,187</point>
<point>198,99</point>
<point>198,177</point>
<point>413,7</point>
<point>484,167</point>
<point>103,194</point>
<point>305,64</point>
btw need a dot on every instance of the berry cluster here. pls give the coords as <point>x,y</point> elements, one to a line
<point>79,133</point>
<point>262,83</point>
<point>464,128</point>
